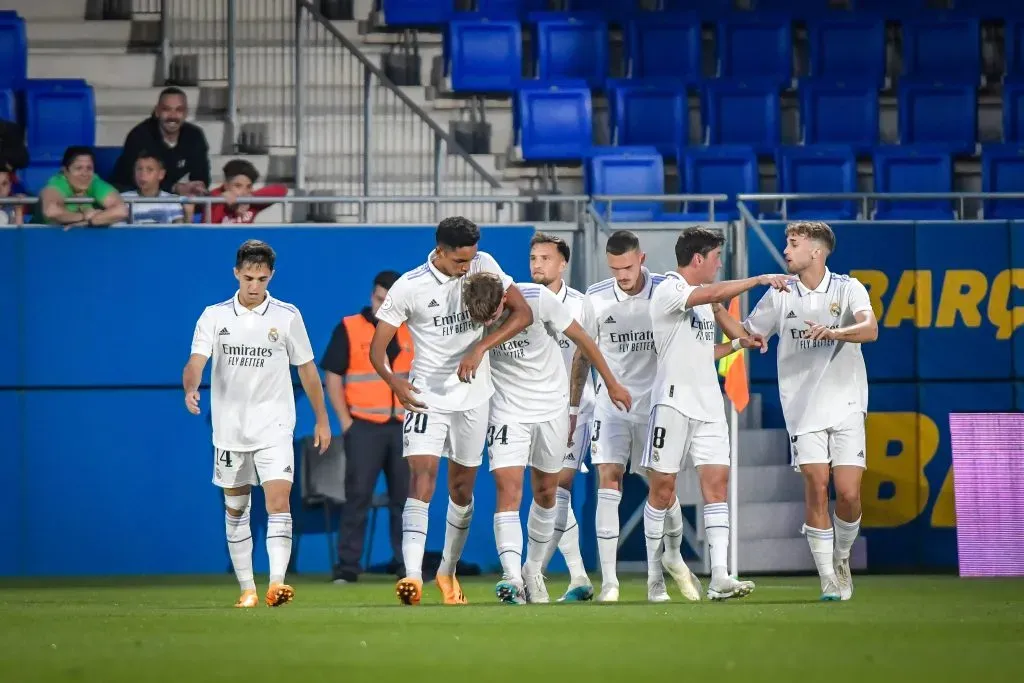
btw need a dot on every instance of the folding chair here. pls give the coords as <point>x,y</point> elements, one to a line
<point>322,483</point>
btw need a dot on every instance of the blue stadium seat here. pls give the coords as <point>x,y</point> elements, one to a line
<point>605,150</point>
<point>614,10</point>
<point>572,47</point>
<point>654,114</point>
<point>942,48</point>
<point>417,12</point>
<point>8,105</point>
<point>627,174</point>
<point>707,9</point>
<point>909,169</point>
<point>756,49</point>
<point>484,56</point>
<point>58,113</point>
<point>553,122</point>
<point>106,158</point>
<point>507,9</point>
<point>939,113</point>
<point>1013,112</point>
<point>34,177</point>
<point>741,114</point>
<point>13,51</point>
<point>723,169</point>
<point>665,46</point>
<point>1002,170</point>
<point>1013,49</point>
<point>839,113</point>
<point>849,49</point>
<point>818,169</point>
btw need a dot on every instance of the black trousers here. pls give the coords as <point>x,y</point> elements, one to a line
<point>370,448</point>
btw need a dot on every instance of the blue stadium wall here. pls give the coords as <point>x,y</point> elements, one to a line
<point>108,474</point>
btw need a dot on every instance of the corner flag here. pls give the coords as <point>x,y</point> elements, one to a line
<point>734,368</point>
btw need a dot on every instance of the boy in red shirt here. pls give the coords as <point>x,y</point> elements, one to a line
<point>239,177</point>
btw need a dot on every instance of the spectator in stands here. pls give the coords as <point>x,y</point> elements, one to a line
<point>371,418</point>
<point>181,147</point>
<point>10,214</point>
<point>78,179</point>
<point>13,153</point>
<point>239,177</point>
<point>149,173</point>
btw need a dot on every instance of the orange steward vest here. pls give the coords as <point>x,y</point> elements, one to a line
<point>368,396</point>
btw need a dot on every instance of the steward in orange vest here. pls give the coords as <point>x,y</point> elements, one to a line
<point>372,421</point>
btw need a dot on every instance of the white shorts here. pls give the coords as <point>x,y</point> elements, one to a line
<point>541,445</point>
<point>616,441</point>
<point>458,436</point>
<point>232,469</point>
<point>843,444</point>
<point>574,454</point>
<point>674,439</point>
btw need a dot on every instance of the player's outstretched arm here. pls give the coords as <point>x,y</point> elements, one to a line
<point>404,390</point>
<point>720,292</point>
<point>734,329</point>
<point>618,394</point>
<point>520,316</point>
<point>310,378</point>
<point>191,377</point>
<point>730,347</point>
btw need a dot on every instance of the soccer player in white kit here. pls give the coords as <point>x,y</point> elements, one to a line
<point>549,257</point>
<point>529,424</point>
<point>447,392</point>
<point>253,338</point>
<point>821,323</point>
<point>687,422</point>
<point>616,313</point>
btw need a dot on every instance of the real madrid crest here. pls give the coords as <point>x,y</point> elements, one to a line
<point>834,309</point>
<point>272,335</point>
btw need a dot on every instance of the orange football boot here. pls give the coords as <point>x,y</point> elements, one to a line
<point>278,594</point>
<point>248,599</point>
<point>409,591</point>
<point>451,591</point>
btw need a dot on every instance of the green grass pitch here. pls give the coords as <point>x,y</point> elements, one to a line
<point>908,629</point>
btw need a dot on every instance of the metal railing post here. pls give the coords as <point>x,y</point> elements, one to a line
<point>367,137</point>
<point>232,78</point>
<point>166,54</point>
<point>300,101</point>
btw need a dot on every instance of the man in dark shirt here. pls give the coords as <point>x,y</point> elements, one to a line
<point>180,145</point>
<point>371,418</point>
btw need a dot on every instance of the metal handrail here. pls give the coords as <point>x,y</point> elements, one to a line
<point>379,73</point>
<point>865,197</point>
<point>307,199</point>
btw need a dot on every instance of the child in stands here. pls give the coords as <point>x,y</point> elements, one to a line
<point>239,178</point>
<point>10,214</point>
<point>149,174</point>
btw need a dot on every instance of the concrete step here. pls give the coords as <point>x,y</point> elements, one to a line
<point>426,212</point>
<point>763,447</point>
<point>135,101</point>
<point>771,555</point>
<point>107,69</point>
<point>770,520</point>
<point>247,10</point>
<point>396,167</point>
<point>76,32</point>
<point>770,484</point>
<point>32,10</point>
<point>112,130</point>
<point>193,33</point>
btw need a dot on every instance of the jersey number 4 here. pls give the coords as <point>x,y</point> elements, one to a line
<point>415,422</point>
<point>224,458</point>
<point>499,434</point>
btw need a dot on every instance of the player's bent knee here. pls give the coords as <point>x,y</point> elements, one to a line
<point>610,476</point>
<point>663,489</point>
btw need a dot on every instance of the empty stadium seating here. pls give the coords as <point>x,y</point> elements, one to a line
<point>632,173</point>
<point>909,169</point>
<point>58,113</point>
<point>484,56</point>
<point>818,169</point>
<point>665,47</point>
<point>1002,170</point>
<point>13,50</point>
<point>649,113</point>
<point>553,122</point>
<point>720,169</point>
<point>572,47</point>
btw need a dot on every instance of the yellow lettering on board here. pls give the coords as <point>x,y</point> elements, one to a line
<point>917,437</point>
<point>912,300</point>
<point>962,292</point>
<point>877,283</point>
<point>944,510</point>
<point>1006,320</point>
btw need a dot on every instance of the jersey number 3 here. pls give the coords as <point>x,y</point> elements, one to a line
<point>499,434</point>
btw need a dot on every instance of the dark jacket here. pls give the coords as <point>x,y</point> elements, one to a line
<point>13,153</point>
<point>191,156</point>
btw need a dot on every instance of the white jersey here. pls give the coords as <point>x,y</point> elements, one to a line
<point>684,336</point>
<point>621,324</point>
<point>530,384</point>
<point>573,300</point>
<point>442,333</point>
<point>252,403</point>
<point>821,382</point>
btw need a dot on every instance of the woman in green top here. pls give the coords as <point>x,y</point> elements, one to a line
<point>77,178</point>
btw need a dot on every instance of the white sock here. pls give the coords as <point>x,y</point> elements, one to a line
<point>822,545</point>
<point>569,546</point>
<point>716,527</point>
<point>846,534</point>
<point>414,536</point>
<point>674,532</point>
<point>279,544</point>
<point>654,530</point>
<point>508,536</point>
<point>240,548</point>
<point>540,527</point>
<point>607,522</point>
<point>455,534</point>
<point>563,508</point>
